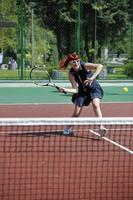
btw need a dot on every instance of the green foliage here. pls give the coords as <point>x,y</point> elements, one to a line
<point>45,49</point>
<point>59,24</point>
<point>8,36</point>
<point>129,69</point>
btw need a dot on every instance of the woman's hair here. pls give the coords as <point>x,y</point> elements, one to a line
<point>64,62</point>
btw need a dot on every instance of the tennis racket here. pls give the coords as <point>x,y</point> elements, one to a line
<point>41,77</point>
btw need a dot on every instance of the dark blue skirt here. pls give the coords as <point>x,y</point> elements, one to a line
<point>85,98</point>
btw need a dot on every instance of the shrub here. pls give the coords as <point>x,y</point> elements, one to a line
<point>129,69</point>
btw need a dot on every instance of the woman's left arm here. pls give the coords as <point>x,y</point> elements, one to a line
<point>97,67</point>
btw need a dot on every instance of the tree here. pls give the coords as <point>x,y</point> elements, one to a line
<point>8,42</point>
<point>58,16</point>
<point>108,20</point>
<point>104,23</point>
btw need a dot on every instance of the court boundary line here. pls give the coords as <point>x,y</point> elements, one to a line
<point>59,103</point>
<point>111,141</point>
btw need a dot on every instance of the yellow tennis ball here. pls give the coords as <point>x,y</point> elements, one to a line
<point>125,89</point>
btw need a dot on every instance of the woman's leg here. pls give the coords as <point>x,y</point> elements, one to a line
<point>98,113</point>
<point>96,107</point>
<point>76,113</point>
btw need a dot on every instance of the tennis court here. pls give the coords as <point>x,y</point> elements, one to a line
<point>39,163</point>
<point>23,99</point>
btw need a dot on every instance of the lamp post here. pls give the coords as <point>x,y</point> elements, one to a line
<point>95,34</point>
<point>32,28</point>
<point>21,38</point>
<point>78,26</point>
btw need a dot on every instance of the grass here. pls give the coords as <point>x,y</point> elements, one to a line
<point>13,74</point>
<point>16,74</point>
<point>117,73</point>
<point>116,76</point>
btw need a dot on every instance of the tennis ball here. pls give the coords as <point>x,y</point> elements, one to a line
<point>125,89</point>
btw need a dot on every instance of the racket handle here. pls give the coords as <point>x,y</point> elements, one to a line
<point>58,88</point>
<point>64,92</point>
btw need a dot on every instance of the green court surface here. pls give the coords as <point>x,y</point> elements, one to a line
<point>40,95</point>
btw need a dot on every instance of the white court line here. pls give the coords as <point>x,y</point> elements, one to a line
<point>111,141</point>
<point>63,84</point>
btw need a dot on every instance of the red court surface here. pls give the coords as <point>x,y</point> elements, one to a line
<point>64,110</point>
<point>55,167</point>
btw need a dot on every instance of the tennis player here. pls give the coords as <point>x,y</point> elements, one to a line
<point>85,87</point>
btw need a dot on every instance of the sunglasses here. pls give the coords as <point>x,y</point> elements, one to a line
<point>73,62</point>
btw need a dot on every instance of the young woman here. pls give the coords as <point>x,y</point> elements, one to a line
<point>85,87</point>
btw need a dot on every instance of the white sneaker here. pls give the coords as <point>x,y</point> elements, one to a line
<point>102,131</point>
<point>68,132</point>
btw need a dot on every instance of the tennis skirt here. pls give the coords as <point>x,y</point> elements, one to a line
<point>85,98</point>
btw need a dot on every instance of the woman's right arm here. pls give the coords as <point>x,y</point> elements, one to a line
<point>74,88</point>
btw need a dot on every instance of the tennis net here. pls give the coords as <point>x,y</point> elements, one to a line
<point>38,162</point>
